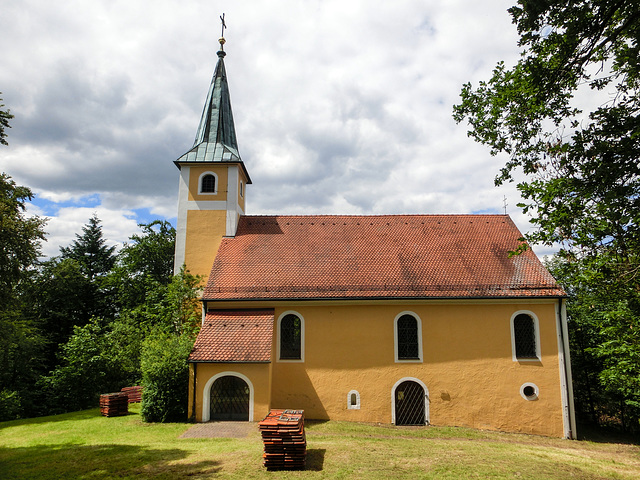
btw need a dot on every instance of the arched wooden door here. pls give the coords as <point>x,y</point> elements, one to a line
<point>410,404</point>
<point>229,399</point>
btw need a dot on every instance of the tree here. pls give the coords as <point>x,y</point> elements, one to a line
<point>90,250</point>
<point>143,263</point>
<point>20,236</point>
<point>20,340</point>
<point>62,297</point>
<point>151,254</point>
<point>5,116</point>
<point>583,177</point>
<point>165,377</point>
<point>567,116</point>
<point>604,336</point>
<point>153,339</point>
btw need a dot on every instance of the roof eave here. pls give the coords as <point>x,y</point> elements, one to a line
<point>228,361</point>
<point>179,164</point>
<point>382,298</point>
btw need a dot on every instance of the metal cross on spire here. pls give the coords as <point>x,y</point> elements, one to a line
<point>224,25</point>
<point>222,40</point>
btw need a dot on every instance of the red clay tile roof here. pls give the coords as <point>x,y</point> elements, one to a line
<point>234,336</point>
<point>388,256</point>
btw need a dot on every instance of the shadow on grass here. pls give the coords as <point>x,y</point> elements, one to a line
<point>98,462</point>
<point>62,417</point>
<point>598,434</point>
<point>315,459</point>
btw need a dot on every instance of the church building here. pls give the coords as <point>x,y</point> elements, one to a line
<point>393,319</point>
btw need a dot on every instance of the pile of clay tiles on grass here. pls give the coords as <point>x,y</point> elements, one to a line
<point>285,443</point>
<point>134,393</point>
<point>114,404</point>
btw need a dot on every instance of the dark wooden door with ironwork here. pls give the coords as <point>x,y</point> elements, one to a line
<point>229,399</point>
<point>410,398</point>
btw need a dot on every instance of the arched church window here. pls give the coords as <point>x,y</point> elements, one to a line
<point>525,336</point>
<point>291,334</point>
<point>407,338</point>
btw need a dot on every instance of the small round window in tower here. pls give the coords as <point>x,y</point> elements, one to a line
<point>529,391</point>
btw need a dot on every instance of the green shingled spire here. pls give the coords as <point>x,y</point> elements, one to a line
<point>216,136</point>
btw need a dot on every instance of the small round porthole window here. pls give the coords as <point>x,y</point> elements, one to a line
<point>529,391</point>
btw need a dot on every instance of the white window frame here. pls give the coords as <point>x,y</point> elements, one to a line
<point>536,328</point>
<point>206,393</point>
<point>291,360</point>
<point>202,175</point>
<point>351,406</point>
<point>536,392</point>
<point>395,338</point>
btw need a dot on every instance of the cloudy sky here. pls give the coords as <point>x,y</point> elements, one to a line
<point>341,107</point>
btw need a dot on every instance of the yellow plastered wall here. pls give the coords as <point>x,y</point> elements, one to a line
<point>259,374</point>
<point>206,227</point>
<point>203,239</point>
<point>242,187</point>
<point>467,366</point>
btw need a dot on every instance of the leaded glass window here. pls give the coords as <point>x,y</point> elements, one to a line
<point>524,332</point>
<point>407,335</point>
<point>208,184</point>
<point>291,337</point>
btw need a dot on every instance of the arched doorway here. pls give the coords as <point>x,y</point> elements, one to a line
<point>410,403</point>
<point>229,399</point>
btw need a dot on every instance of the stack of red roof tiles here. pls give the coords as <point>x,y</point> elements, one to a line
<point>285,443</point>
<point>134,393</point>
<point>114,404</point>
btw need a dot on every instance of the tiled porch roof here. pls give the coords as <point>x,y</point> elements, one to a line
<point>382,257</point>
<point>234,336</point>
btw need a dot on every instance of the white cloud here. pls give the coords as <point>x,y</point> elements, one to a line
<point>340,107</point>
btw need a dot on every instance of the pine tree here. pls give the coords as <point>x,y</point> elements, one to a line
<point>90,251</point>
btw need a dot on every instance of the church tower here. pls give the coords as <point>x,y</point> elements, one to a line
<point>213,181</point>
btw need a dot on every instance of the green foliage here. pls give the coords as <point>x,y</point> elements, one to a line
<point>104,356</point>
<point>93,361</point>
<point>10,405</point>
<point>175,322</point>
<point>20,237</point>
<point>5,116</point>
<point>62,297</point>
<point>83,317</point>
<point>165,377</point>
<point>143,264</point>
<point>21,344</point>
<point>583,178</point>
<point>151,254</point>
<point>604,324</point>
<point>90,250</point>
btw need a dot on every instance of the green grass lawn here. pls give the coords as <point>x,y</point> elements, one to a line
<point>88,446</point>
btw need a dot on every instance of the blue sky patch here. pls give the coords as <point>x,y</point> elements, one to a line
<point>51,208</point>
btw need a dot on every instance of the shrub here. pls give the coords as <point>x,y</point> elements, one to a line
<point>165,377</point>
<point>10,405</point>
